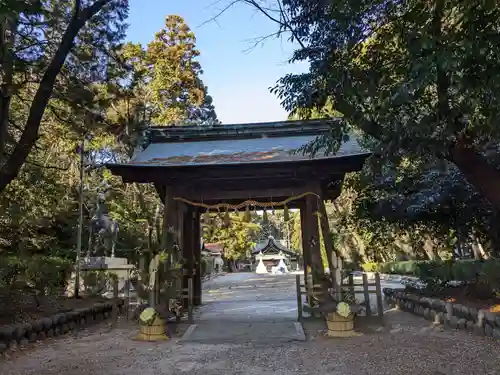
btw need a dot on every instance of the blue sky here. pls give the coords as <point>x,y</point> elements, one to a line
<point>238,76</point>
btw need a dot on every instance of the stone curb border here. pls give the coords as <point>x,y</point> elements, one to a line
<point>186,336</point>
<point>301,336</point>
<point>479,322</point>
<point>19,335</point>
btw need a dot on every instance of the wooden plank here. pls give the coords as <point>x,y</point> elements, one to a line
<point>366,295</point>
<point>356,284</point>
<point>380,306</point>
<point>239,190</point>
<point>190,300</point>
<point>313,242</point>
<point>127,297</point>
<point>327,239</point>
<point>299,297</point>
<point>310,292</point>
<point>312,169</point>
<point>142,271</point>
<point>306,253</point>
<point>114,311</point>
<point>351,283</point>
<point>197,294</point>
<point>179,293</point>
<point>369,291</point>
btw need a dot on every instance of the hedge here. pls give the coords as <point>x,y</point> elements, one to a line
<point>41,273</point>
<point>439,272</point>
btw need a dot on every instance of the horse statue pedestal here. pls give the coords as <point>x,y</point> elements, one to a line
<point>105,262</point>
<point>118,266</point>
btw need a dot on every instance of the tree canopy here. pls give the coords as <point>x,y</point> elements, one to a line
<point>110,92</point>
<point>415,76</point>
<point>413,81</point>
<point>51,52</point>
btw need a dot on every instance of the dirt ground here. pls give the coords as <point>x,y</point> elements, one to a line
<point>25,309</point>
<point>407,345</point>
<point>463,295</point>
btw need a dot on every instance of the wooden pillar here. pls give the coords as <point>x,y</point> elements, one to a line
<point>169,238</point>
<point>197,257</point>
<point>170,225</point>
<point>325,231</point>
<point>180,230</point>
<point>334,258</point>
<point>306,251</point>
<point>313,234</point>
<point>187,250</point>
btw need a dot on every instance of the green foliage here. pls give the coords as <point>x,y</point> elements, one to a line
<point>113,100</point>
<point>370,267</point>
<point>391,69</point>
<point>481,276</point>
<point>51,54</point>
<point>237,239</point>
<point>40,273</point>
<point>169,74</point>
<point>410,78</point>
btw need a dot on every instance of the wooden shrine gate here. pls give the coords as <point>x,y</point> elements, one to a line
<point>207,165</point>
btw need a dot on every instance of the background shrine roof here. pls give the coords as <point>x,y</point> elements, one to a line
<point>236,143</point>
<point>269,245</point>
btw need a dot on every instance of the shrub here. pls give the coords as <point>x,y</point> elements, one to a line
<point>370,267</point>
<point>41,273</point>
<point>481,276</point>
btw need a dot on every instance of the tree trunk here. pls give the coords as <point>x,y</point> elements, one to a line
<point>10,169</point>
<point>157,223</point>
<point>477,248</point>
<point>8,28</point>
<point>327,239</point>
<point>478,172</point>
<point>429,248</point>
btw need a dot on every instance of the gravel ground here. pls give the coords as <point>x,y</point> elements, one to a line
<point>407,345</point>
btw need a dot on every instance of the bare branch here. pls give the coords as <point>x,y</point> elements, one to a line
<point>220,13</point>
<point>282,20</point>
<point>35,164</point>
<point>261,39</point>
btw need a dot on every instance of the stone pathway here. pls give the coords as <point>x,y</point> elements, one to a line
<point>247,297</point>
<point>245,307</point>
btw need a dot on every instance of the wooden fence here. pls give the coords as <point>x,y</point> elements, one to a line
<point>364,288</point>
<point>185,295</point>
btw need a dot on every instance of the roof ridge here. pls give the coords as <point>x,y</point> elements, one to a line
<point>244,125</point>
<point>239,131</point>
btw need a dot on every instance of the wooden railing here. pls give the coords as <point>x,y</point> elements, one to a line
<point>185,294</point>
<point>315,290</point>
<point>366,291</point>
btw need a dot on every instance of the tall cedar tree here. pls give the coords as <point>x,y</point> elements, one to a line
<point>171,72</point>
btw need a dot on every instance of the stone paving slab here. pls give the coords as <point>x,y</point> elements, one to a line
<point>261,332</point>
<point>247,311</point>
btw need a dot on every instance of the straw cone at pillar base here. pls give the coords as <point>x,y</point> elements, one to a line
<point>152,327</point>
<point>261,268</point>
